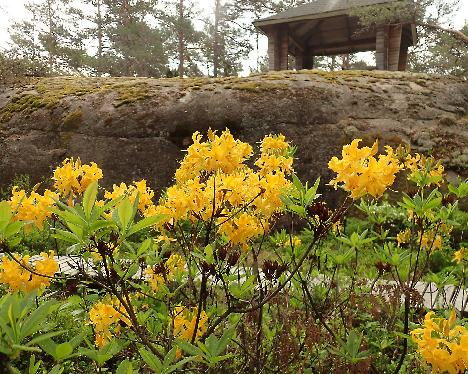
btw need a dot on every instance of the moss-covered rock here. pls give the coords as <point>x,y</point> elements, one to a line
<point>138,127</point>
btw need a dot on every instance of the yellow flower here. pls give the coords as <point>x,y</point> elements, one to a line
<point>222,153</point>
<point>360,173</point>
<point>166,271</point>
<point>102,316</point>
<point>213,182</point>
<point>72,178</point>
<point>184,321</point>
<point>403,237</point>
<point>430,241</point>
<point>442,343</point>
<point>35,208</point>
<point>459,255</point>
<point>274,144</point>
<point>421,167</point>
<point>144,193</point>
<point>241,228</point>
<point>18,278</point>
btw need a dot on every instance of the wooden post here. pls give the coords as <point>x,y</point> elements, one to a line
<point>283,41</point>
<point>394,47</point>
<point>403,57</point>
<point>272,46</point>
<point>381,47</point>
<point>308,61</point>
<point>299,60</point>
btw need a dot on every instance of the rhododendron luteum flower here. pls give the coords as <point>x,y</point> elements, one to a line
<point>459,255</point>
<point>360,173</point>
<point>35,207</point>
<point>222,153</point>
<point>420,164</point>
<point>72,178</point>
<point>102,316</point>
<point>214,181</point>
<point>19,278</point>
<point>167,271</point>
<point>430,241</point>
<point>184,322</point>
<point>145,194</point>
<point>443,344</point>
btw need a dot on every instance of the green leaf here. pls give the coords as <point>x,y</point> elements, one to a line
<point>125,367</point>
<point>145,223</point>
<point>125,213</point>
<point>209,254</point>
<point>5,211</point>
<point>151,360</point>
<point>223,342</point>
<point>89,198</point>
<point>42,337</point>
<point>57,369</point>
<point>189,348</point>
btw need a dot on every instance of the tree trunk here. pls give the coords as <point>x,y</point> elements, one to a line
<point>50,37</point>
<point>99,36</point>
<point>455,33</point>
<point>181,39</point>
<point>216,52</point>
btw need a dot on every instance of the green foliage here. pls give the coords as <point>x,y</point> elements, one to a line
<point>23,325</point>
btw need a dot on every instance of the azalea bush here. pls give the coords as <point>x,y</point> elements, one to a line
<point>210,276</point>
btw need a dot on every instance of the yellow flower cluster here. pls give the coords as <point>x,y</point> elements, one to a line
<point>166,272</point>
<point>102,316</point>
<point>360,173</point>
<point>222,153</point>
<point>404,237</point>
<point>460,255</point>
<point>145,194</point>
<point>72,178</point>
<point>18,278</point>
<point>184,321</point>
<point>213,182</point>
<point>420,166</point>
<point>443,344</point>
<point>430,241</point>
<point>35,208</point>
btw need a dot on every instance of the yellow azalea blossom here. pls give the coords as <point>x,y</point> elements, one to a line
<point>214,182</point>
<point>184,322</point>
<point>360,173</point>
<point>403,236</point>
<point>274,144</point>
<point>221,152</point>
<point>420,166</point>
<point>140,189</point>
<point>241,228</point>
<point>18,278</point>
<point>430,241</point>
<point>72,178</point>
<point>167,271</point>
<point>35,208</point>
<point>459,255</point>
<point>442,343</point>
<point>102,316</point>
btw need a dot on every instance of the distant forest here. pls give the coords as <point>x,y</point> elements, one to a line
<point>166,38</point>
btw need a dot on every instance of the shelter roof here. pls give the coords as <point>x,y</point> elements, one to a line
<point>317,9</point>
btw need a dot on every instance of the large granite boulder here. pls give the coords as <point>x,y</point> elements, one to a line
<point>138,127</point>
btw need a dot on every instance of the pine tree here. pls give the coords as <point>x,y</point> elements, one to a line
<point>135,45</point>
<point>49,35</point>
<point>183,41</point>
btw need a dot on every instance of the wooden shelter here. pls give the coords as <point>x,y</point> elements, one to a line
<point>324,27</point>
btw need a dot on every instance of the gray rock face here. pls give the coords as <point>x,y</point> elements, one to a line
<point>138,127</point>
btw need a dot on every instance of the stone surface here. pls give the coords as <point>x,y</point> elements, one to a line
<point>138,127</point>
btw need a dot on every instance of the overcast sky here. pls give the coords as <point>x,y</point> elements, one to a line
<point>13,10</point>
